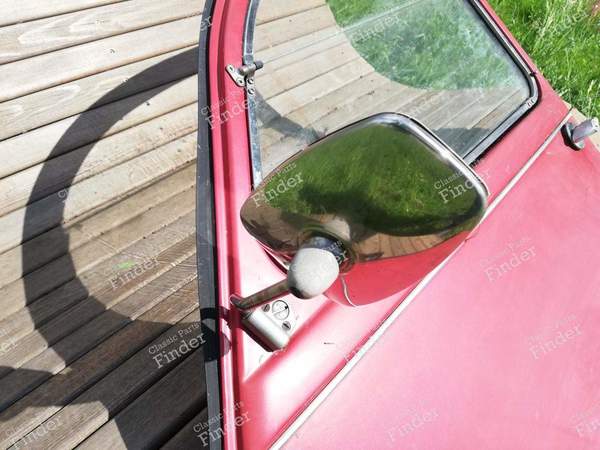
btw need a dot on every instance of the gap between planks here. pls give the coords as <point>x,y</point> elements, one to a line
<point>103,381</point>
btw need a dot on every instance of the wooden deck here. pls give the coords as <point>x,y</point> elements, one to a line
<point>98,285</point>
<point>99,319</point>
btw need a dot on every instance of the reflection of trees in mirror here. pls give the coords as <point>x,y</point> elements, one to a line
<point>377,177</point>
<point>436,44</point>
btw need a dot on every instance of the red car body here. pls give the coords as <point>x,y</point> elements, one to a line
<point>463,359</point>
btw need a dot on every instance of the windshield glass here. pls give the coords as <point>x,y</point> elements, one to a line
<point>329,63</point>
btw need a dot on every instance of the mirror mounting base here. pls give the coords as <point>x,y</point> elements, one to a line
<point>313,270</point>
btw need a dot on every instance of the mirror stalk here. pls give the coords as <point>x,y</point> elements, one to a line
<point>261,297</point>
<point>313,270</point>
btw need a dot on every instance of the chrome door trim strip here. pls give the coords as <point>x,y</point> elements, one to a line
<point>322,396</point>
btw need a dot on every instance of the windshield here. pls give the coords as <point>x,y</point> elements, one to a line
<point>331,63</point>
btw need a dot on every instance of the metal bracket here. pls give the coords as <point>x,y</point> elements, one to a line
<point>272,324</point>
<point>244,75</point>
<point>576,135</point>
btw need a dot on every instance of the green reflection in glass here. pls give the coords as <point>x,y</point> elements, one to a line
<point>435,44</point>
<point>378,177</point>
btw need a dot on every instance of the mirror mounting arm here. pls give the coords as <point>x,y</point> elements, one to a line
<point>259,298</point>
<point>313,270</point>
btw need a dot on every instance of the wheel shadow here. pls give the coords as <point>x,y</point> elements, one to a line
<point>141,88</point>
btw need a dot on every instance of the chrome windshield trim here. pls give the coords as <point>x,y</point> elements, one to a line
<point>254,136</point>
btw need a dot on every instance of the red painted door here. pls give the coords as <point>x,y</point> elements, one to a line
<point>464,360</point>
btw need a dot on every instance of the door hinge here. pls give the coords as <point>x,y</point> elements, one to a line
<point>244,75</point>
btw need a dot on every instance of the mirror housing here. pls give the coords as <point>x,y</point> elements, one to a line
<point>384,195</point>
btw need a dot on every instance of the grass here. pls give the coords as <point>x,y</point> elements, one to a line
<point>427,44</point>
<point>436,44</point>
<point>378,177</point>
<point>563,39</point>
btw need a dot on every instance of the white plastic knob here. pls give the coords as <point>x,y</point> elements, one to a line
<point>312,272</point>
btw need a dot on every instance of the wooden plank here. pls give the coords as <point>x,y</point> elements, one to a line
<point>28,289</point>
<point>388,96</point>
<point>288,28</point>
<point>316,89</point>
<point>342,98</point>
<point>357,95</point>
<point>476,122</point>
<point>270,10</point>
<point>458,105</point>
<point>109,286</point>
<point>63,172</point>
<point>431,107</point>
<point>78,306</point>
<point>90,410</point>
<point>177,396</point>
<point>419,104</point>
<point>96,192</point>
<point>95,285</point>
<point>37,37</point>
<point>14,265</point>
<point>299,48</point>
<point>296,74</point>
<point>366,105</point>
<point>308,94</point>
<point>50,105</point>
<point>189,435</point>
<point>307,120</point>
<point>31,374</point>
<point>24,77</point>
<point>176,313</point>
<point>26,150</point>
<point>495,105</point>
<point>29,328</point>
<point>24,10</point>
<point>446,106</point>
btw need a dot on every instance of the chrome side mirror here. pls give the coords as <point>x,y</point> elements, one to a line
<point>364,213</point>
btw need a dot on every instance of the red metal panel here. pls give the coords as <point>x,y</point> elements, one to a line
<point>275,388</point>
<point>501,350</point>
